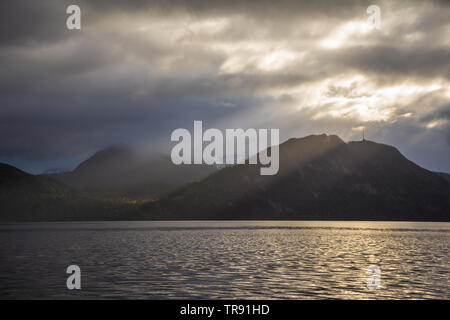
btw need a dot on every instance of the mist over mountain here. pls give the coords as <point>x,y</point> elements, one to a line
<point>125,172</point>
<point>25,197</point>
<point>321,178</point>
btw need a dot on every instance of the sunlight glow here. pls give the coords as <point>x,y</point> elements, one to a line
<point>356,97</point>
<point>344,34</point>
<point>277,60</point>
<point>437,123</point>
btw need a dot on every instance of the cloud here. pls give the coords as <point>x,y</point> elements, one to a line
<point>139,69</point>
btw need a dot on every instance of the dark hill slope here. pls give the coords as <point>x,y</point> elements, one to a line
<point>25,197</point>
<point>122,172</point>
<point>320,177</point>
<point>444,175</point>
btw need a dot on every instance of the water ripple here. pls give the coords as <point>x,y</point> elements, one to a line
<point>265,261</point>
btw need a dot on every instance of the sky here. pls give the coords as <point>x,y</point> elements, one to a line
<point>138,70</point>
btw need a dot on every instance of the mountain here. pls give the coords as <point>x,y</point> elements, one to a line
<point>444,175</point>
<point>122,172</point>
<point>321,178</point>
<point>25,197</point>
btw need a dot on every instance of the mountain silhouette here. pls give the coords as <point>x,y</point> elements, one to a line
<point>26,197</point>
<point>321,178</point>
<point>124,172</point>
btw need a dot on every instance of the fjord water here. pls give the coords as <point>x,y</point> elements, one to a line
<point>225,259</point>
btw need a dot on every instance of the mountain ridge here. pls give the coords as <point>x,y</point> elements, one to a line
<point>321,177</point>
<point>26,197</point>
<point>116,172</point>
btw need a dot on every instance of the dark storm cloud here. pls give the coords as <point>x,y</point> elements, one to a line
<point>139,69</point>
<point>416,61</point>
<point>441,113</point>
<point>24,22</point>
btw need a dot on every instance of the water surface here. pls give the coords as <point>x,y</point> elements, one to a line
<point>225,259</point>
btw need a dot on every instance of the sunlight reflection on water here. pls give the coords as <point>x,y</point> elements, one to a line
<point>226,259</point>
